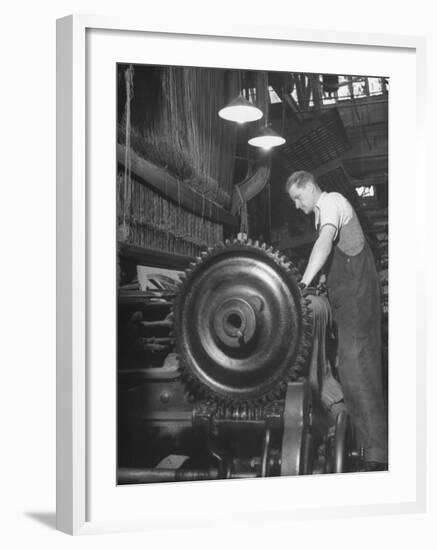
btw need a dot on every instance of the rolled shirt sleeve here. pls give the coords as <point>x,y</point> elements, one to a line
<point>332,209</point>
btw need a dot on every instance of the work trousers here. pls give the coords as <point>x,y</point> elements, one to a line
<point>323,384</point>
<point>354,293</point>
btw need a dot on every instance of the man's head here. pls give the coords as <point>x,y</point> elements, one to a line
<point>303,191</point>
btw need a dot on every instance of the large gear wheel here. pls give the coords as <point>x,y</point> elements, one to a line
<point>242,326</point>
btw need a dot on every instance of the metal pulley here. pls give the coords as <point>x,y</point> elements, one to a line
<point>242,327</point>
<point>344,452</point>
<point>296,448</point>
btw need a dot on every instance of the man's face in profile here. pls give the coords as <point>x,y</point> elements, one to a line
<point>304,197</point>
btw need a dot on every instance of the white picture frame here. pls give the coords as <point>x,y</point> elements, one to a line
<point>76,240</point>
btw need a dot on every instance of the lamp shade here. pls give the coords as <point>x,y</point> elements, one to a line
<point>240,110</point>
<point>266,138</point>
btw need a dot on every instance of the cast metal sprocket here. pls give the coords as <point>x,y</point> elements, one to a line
<point>242,326</point>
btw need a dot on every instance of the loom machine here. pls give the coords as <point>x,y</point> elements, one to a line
<point>220,389</point>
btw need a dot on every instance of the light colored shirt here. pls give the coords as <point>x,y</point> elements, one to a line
<point>334,209</point>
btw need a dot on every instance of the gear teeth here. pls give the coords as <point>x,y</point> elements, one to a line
<point>294,375</point>
<point>270,396</point>
<point>307,346</point>
<point>308,322</point>
<point>251,407</point>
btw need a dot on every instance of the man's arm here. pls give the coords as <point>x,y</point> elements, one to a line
<point>320,252</point>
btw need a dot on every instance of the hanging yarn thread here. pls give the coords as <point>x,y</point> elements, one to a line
<point>127,196</point>
<point>181,134</point>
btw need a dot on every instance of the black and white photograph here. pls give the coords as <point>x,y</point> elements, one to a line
<point>252,273</point>
<point>220,218</point>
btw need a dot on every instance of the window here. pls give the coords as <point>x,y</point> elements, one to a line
<point>365,191</point>
<point>274,98</point>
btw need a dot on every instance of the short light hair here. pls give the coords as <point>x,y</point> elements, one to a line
<point>300,179</point>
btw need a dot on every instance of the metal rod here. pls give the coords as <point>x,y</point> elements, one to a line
<point>265,454</point>
<point>159,475</point>
<point>128,476</point>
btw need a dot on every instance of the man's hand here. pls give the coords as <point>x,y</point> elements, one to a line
<point>303,288</point>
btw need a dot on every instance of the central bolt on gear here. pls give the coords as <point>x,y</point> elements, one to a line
<point>242,326</point>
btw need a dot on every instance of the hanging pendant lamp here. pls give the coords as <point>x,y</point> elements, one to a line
<point>266,138</point>
<point>240,110</point>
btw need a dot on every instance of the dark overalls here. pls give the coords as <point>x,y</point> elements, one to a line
<point>354,293</point>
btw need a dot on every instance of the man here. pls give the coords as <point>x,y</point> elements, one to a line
<point>354,294</point>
